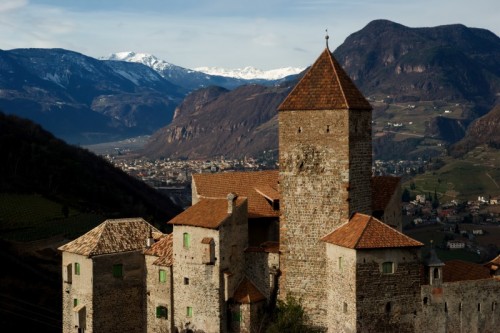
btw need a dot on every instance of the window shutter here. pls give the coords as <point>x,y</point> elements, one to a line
<point>118,270</point>
<point>187,240</point>
<point>163,276</point>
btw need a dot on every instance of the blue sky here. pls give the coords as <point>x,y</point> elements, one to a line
<point>265,34</point>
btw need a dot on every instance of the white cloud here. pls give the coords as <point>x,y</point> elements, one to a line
<point>264,33</point>
<point>8,5</point>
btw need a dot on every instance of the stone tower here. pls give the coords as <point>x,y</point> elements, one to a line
<point>325,157</point>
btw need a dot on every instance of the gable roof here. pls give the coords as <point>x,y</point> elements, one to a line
<point>325,86</point>
<point>218,185</point>
<point>459,270</point>
<point>113,236</point>
<point>247,292</point>
<point>206,213</point>
<point>162,249</point>
<point>366,232</point>
<point>383,188</point>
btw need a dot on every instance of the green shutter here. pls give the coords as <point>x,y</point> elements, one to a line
<point>75,302</point>
<point>77,268</point>
<point>163,276</point>
<point>118,270</point>
<point>236,316</point>
<point>187,240</point>
<point>189,311</point>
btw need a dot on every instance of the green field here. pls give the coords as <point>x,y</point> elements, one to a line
<point>25,217</point>
<point>476,174</point>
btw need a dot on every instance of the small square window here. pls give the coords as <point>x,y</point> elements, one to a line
<point>77,268</point>
<point>186,280</point>
<point>388,267</point>
<point>161,312</point>
<point>75,302</point>
<point>163,276</point>
<point>118,270</point>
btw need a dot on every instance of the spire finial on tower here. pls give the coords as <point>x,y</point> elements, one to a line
<point>326,38</point>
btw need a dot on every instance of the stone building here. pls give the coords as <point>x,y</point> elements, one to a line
<point>320,229</point>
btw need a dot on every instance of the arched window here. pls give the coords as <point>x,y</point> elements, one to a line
<point>436,273</point>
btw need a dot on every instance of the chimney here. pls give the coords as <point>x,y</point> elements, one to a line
<point>231,199</point>
<point>150,240</point>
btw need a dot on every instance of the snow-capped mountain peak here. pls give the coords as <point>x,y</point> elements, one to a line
<point>143,58</point>
<point>246,73</point>
<point>250,73</point>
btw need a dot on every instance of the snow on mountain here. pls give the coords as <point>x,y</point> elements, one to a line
<point>250,73</point>
<point>247,73</point>
<point>143,58</point>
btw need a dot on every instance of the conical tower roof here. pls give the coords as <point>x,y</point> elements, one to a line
<point>325,86</point>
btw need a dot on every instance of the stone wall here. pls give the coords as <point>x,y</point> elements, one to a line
<point>203,287</point>
<point>393,215</point>
<point>387,302</point>
<point>261,268</point>
<point>360,162</point>
<point>77,287</point>
<point>460,307</point>
<point>158,294</point>
<point>341,287</point>
<point>119,301</point>
<point>196,285</point>
<point>325,172</point>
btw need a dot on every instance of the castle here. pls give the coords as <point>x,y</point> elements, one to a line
<point>320,229</point>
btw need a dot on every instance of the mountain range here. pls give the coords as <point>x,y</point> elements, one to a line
<point>412,77</point>
<point>83,100</point>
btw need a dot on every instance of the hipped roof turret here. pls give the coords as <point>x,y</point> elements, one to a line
<point>325,86</point>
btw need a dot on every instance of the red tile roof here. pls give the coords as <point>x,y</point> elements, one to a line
<point>218,185</point>
<point>206,213</point>
<point>458,270</point>
<point>325,86</point>
<point>163,250</point>
<point>366,232</point>
<point>247,292</point>
<point>383,188</point>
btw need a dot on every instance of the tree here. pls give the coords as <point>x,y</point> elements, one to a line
<point>290,317</point>
<point>406,195</point>
<point>435,201</point>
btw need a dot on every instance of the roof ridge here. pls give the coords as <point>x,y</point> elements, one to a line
<point>337,76</point>
<point>99,236</point>
<point>364,229</point>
